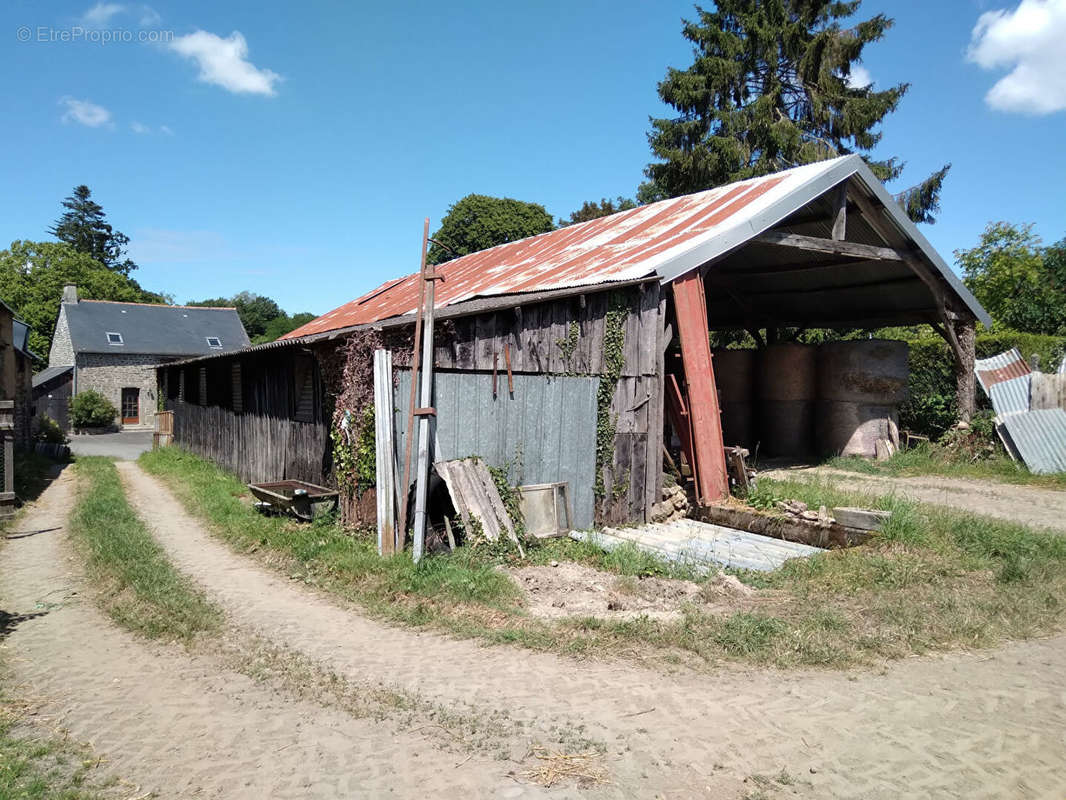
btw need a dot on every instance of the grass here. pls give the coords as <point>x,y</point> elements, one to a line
<point>935,579</point>
<point>138,586</point>
<point>931,459</point>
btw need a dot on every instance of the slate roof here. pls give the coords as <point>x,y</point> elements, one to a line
<point>47,374</point>
<point>153,329</point>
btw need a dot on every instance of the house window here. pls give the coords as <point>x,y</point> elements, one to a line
<point>114,338</point>
<point>214,342</point>
<point>238,395</point>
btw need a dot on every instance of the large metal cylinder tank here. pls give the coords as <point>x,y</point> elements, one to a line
<point>861,384</point>
<point>734,375</point>
<point>786,390</point>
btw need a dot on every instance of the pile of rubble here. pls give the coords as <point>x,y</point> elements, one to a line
<point>798,510</point>
<point>674,505</point>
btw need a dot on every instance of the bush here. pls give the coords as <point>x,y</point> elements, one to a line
<point>90,409</point>
<point>930,408</point>
<point>48,431</point>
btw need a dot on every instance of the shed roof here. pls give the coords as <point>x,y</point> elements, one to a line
<point>47,374</point>
<point>661,240</point>
<point>153,329</point>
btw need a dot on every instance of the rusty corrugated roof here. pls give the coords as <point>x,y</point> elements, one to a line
<point>998,368</point>
<point>627,245</point>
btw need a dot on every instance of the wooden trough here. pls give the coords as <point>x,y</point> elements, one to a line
<point>304,501</point>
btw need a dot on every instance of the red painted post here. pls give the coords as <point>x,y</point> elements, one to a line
<point>690,303</point>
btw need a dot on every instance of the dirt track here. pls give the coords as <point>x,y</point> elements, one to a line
<point>965,725</point>
<point>1028,505</point>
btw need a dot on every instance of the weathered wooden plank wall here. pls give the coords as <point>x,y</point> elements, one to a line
<point>1047,391</point>
<point>566,337</point>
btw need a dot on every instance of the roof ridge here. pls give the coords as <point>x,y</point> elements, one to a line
<point>151,305</point>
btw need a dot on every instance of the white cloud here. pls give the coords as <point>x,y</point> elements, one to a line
<point>224,62</point>
<point>100,15</point>
<point>859,78</point>
<point>1031,42</point>
<point>166,130</point>
<point>85,113</point>
<point>137,127</point>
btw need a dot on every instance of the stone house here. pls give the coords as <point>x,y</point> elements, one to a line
<point>114,348</point>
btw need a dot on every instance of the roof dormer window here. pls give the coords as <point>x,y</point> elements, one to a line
<point>214,342</point>
<point>114,338</point>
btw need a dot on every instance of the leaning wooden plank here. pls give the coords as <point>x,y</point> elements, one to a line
<point>475,497</point>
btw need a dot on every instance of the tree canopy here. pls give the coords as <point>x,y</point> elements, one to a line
<point>772,86</point>
<point>477,222</point>
<point>1020,282</point>
<point>590,209</point>
<point>84,227</point>
<point>262,317</point>
<point>32,276</point>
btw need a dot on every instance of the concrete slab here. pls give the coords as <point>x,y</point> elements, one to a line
<point>702,545</point>
<point>123,445</point>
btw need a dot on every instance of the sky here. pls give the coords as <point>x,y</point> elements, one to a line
<point>293,150</point>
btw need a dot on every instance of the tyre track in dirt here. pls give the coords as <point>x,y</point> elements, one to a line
<point>1026,505</point>
<point>181,724</point>
<point>973,725</point>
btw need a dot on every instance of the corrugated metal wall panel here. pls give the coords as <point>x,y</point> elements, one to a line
<point>549,423</point>
<point>1011,396</point>
<point>1040,439</point>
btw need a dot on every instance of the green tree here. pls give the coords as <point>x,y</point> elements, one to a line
<point>84,227</point>
<point>478,222</point>
<point>590,209</point>
<point>1021,283</point>
<point>262,317</point>
<point>771,87</point>
<point>32,276</point>
<point>279,326</point>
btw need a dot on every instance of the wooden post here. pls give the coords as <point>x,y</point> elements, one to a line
<point>422,473</point>
<point>965,379</point>
<point>384,455</point>
<point>709,470</point>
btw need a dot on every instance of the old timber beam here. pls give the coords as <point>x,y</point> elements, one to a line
<point>814,244</point>
<point>709,469</point>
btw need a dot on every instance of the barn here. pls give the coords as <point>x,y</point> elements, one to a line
<point>582,354</point>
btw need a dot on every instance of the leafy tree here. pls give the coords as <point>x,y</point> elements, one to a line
<point>32,276</point>
<point>478,222</point>
<point>771,87</point>
<point>279,326</point>
<point>84,227</point>
<point>590,209</point>
<point>1021,283</point>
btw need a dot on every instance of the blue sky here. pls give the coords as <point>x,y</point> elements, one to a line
<point>293,150</point>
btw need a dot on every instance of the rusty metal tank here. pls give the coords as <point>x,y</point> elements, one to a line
<point>786,387</point>
<point>861,384</point>
<point>734,374</point>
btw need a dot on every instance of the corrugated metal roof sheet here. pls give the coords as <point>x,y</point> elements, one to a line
<point>1011,396</point>
<point>664,240</point>
<point>1039,437</point>
<point>1002,367</point>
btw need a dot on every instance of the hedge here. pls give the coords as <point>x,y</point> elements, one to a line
<point>930,408</point>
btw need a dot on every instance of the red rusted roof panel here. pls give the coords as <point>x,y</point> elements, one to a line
<point>624,246</point>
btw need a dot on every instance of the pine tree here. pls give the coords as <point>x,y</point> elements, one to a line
<point>84,227</point>
<point>771,87</point>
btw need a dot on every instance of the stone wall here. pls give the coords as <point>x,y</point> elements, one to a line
<point>62,352</point>
<point>110,373</point>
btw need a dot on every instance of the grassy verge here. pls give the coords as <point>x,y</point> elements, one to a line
<point>935,580</point>
<point>139,587</point>
<point>929,459</point>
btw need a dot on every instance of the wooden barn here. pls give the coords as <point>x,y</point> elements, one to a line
<point>583,353</point>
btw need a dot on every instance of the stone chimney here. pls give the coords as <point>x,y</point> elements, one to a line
<point>70,293</point>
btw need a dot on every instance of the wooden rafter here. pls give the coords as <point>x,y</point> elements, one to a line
<point>813,244</point>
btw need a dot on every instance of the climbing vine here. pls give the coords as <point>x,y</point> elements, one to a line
<point>569,344</point>
<point>614,339</point>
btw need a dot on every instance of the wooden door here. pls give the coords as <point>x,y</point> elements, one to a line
<point>131,406</point>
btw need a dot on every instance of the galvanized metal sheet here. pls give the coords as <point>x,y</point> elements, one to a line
<point>1039,437</point>
<point>663,239</point>
<point>1011,396</point>
<point>546,430</point>
<point>1002,367</point>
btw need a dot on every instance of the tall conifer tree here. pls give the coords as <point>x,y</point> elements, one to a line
<point>772,87</point>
